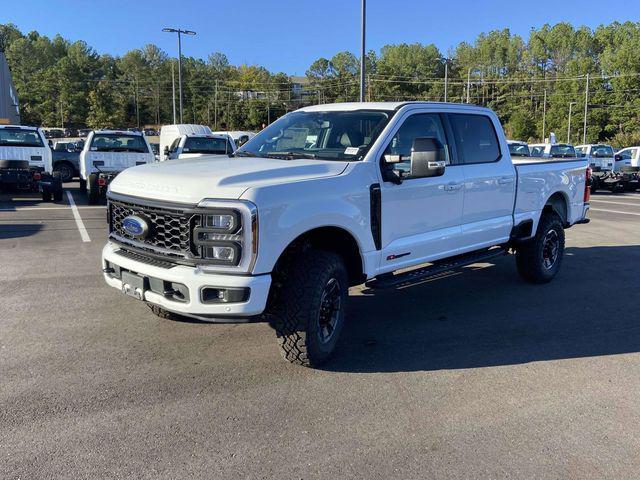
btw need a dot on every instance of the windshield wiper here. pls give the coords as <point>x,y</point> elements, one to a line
<point>291,155</point>
<point>243,153</point>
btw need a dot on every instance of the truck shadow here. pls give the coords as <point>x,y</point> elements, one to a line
<point>491,317</point>
<point>18,230</point>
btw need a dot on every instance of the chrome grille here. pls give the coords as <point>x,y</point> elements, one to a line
<point>169,228</point>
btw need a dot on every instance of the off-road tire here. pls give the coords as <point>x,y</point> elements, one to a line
<point>530,255</point>
<point>295,307</point>
<point>93,191</point>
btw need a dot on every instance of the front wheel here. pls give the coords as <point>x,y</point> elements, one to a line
<point>539,259</point>
<point>308,308</point>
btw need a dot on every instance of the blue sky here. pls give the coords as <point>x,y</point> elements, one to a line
<point>288,35</point>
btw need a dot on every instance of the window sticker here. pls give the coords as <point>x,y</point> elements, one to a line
<point>351,150</point>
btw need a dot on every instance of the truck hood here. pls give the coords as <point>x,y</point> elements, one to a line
<point>191,180</point>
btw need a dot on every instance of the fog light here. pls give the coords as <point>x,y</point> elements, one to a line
<point>224,254</point>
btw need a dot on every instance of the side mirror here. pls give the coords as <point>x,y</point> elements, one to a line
<point>50,144</point>
<point>617,157</point>
<point>428,158</point>
<point>166,150</point>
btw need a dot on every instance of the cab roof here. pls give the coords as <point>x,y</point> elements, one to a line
<point>119,132</point>
<point>23,127</point>
<point>386,106</point>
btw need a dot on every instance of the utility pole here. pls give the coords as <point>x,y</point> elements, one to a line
<point>135,83</point>
<point>215,107</point>
<point>179,32</point>
<point>446,77</point>
<point>571,104</point>
<point>173,90</point>
<point>61,113</point>
<point>468,84</point>
<point>544,115</point>
<point>362,50</point>
<point>586,106</point>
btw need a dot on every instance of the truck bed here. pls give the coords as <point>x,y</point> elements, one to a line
<point>538,178</point>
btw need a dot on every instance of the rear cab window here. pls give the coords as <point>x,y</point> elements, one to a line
<point>20,137</point>
<point>207,145</point>
<point>117,142</point>
<point>476,138</point>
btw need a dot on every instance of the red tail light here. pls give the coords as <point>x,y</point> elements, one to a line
<point>102,182</point>
<point>587,185</point>
<point>37,176</point>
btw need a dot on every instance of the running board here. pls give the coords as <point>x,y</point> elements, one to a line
<point>419,275</point>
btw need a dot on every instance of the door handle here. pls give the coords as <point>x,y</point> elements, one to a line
<point>505,180</point>
<point>451,187</point>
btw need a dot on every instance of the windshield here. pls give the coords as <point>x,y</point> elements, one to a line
<point>601,151</point>
<point>562,151</point>
<point>518,150</point>
<point>115,142</point>
<point>17,137</point>
<point>322,135</point>
<point>210,145</point>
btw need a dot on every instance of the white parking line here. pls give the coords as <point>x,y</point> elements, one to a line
<point>612,211</point>
<point>76,214</point>
<point>24,209</point>
<point>616,203</point>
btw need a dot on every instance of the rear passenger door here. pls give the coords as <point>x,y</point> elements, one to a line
<point>489,181</point>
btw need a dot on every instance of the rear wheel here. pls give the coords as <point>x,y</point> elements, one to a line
<point>46,194</point>
<point>83,185</point>
<point>539,259</point>
<point>93,191</point>
<point>308,309</point>
<point>65,171</point>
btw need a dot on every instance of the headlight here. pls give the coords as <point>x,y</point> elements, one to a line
<point>222,222</point>
<point>225,234</point>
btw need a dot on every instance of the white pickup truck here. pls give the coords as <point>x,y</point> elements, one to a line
<point>331,196</point>
<point>106,153</point>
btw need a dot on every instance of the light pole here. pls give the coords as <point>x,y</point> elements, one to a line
<point>571,104</point>
<point>446,77</point>
<point>179,32</point>
<point>362,52</point>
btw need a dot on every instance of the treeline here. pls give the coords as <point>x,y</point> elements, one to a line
<point>531,83</point>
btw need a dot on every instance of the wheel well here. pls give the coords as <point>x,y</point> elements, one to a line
<point>330,239</point>
<point>557,203</point>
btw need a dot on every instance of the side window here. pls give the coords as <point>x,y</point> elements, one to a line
<point>418,125</point>
<point>626,155</point>
<point>174,145</point>
<point>475,137</point>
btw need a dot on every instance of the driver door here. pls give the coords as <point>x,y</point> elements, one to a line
<point>421,217</point>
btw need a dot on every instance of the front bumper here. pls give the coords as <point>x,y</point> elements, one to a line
<point>194,280</point>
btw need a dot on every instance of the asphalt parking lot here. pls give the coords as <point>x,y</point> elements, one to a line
<point>471,375</point>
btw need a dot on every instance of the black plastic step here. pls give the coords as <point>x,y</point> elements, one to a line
<point>418,275</point>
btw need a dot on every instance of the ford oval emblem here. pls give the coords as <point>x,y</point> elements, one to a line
<point>135,226</point>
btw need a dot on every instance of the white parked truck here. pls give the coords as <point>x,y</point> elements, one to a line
<point>607,173</point>
<point>328,197</point>
<point>26,162</point>
<point>106,153</point>
<point>189,141</point>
